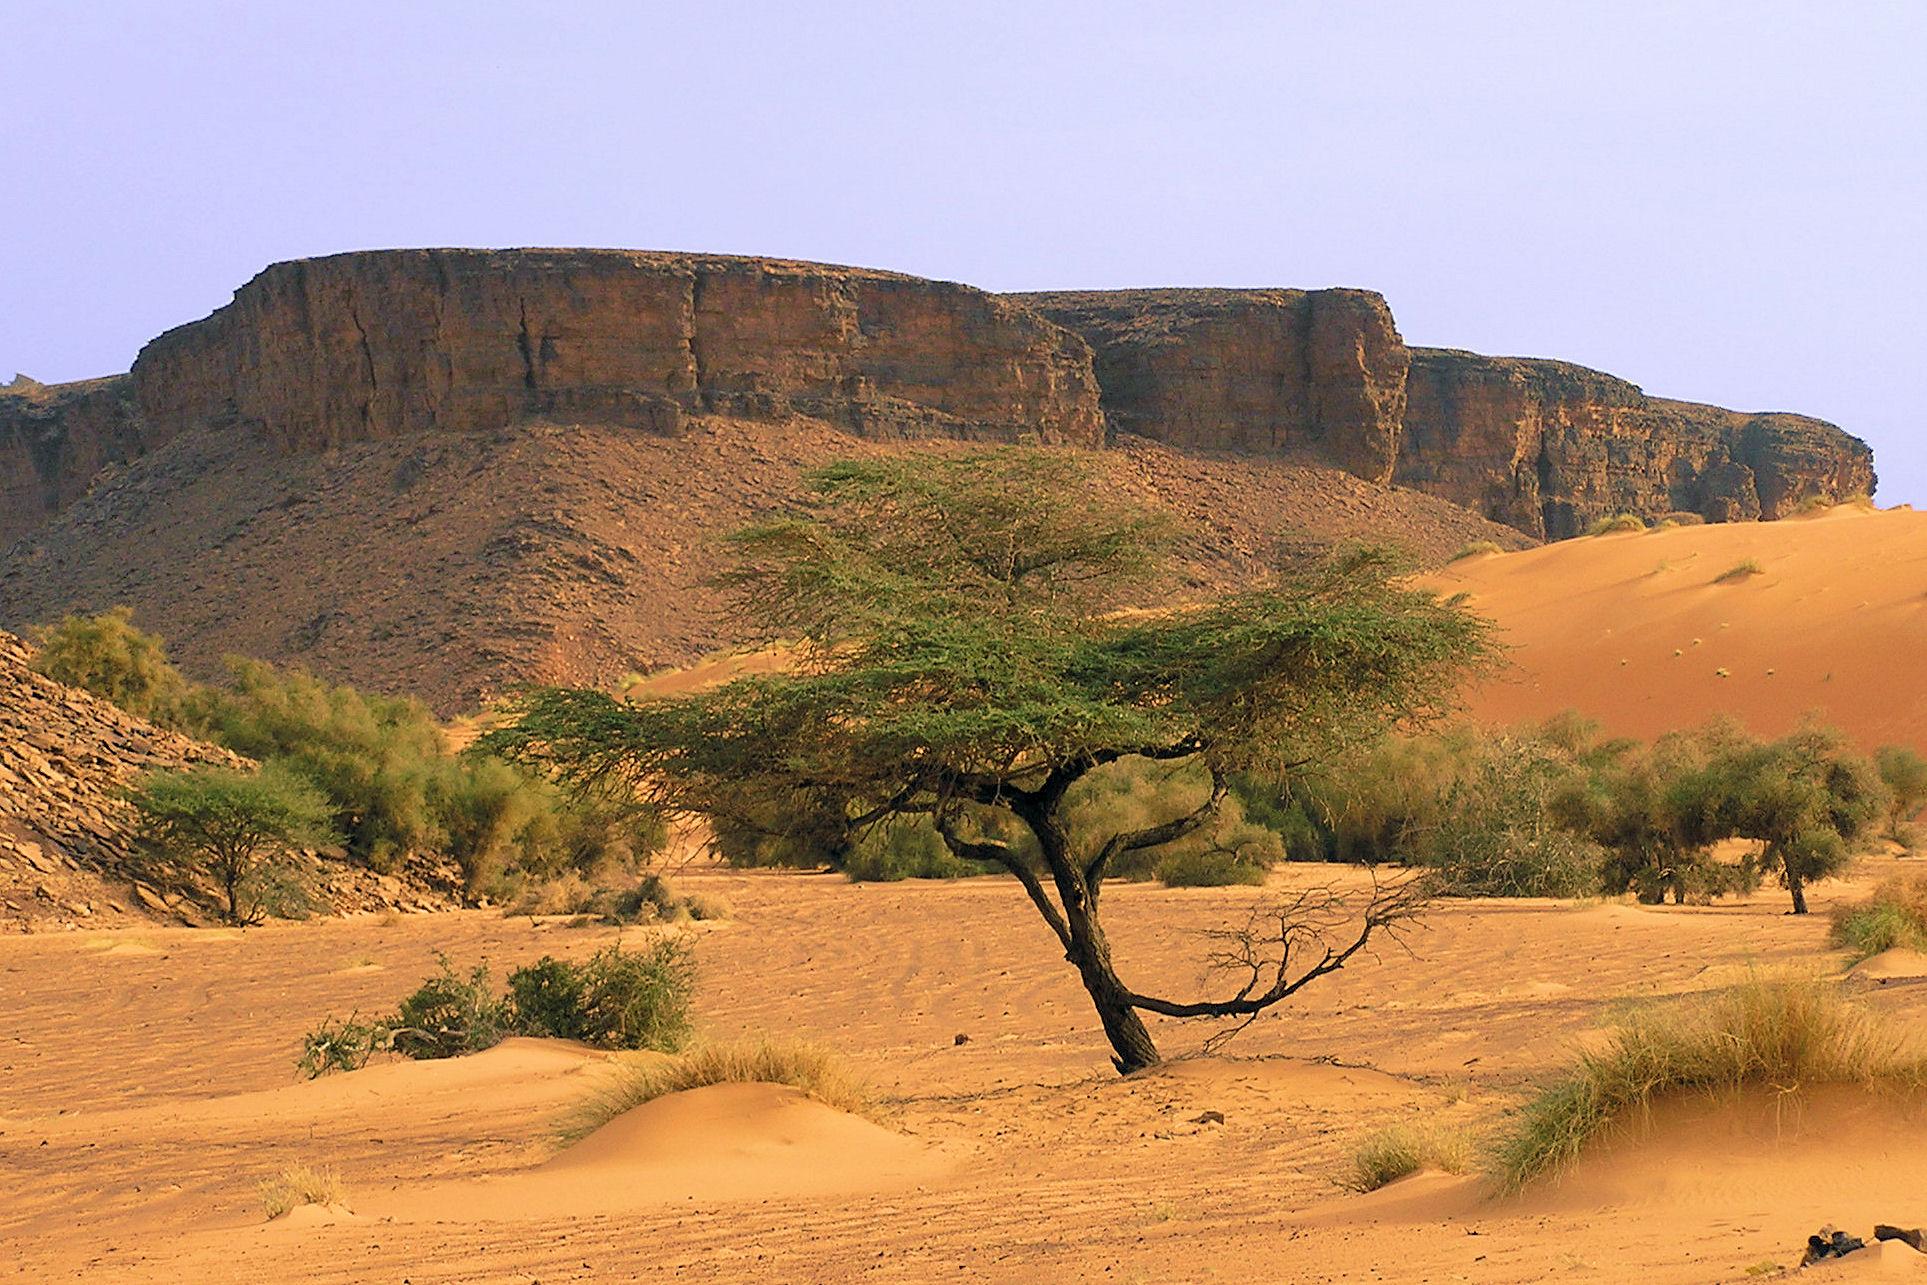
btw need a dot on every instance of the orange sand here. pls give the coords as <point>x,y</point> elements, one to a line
<point>1634,629</point>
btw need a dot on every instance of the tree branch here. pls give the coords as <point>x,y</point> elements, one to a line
<point>1152,836</point>
<point>991,850</point>
<point>1271,949</point>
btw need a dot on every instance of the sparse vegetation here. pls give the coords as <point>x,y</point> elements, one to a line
<point>1476,549</point>
<point>617,999</point>
<point>107,655</point>
<point>1904,772</point>
<point>804,1066</point>
<point>1616,523</point>
<point>299,1185</point>
<point>960,660</point>
<point>1740,571</point>
<point>238,828</point>
<point>1403,1150</point>
<point>1782,1035</point>
<point>1895,916</point>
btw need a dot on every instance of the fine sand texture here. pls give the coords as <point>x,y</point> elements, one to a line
<point>1765,621</point>
<point>147,1087</point>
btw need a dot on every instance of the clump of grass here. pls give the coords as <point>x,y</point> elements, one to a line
<point>1403,1150</point>
<point>1896,915</point>
<point>809,1067</point>
<point>1477,548</point>
<point>299,1185</point>
<point>1617,522</point>
<point>1740,571</point>
<point>1783,1034</point>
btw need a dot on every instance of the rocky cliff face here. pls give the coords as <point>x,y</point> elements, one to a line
<point>318,353</point>
<point>1315,375</point>
<point>1548,447</point>
<point>358,346</point>
<point>54,440</point>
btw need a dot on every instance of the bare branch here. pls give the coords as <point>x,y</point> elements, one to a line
<point>1151,836</point>
<point>1284,947</point>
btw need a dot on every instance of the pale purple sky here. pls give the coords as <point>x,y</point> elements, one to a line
<point>1719,201</point>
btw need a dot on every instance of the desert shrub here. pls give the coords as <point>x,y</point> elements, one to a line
<point>1896,915</point>
<point>1740,571</point>
<point>789,829</point>
<point>638,999</point>
<point>1403,1150</point>
<point>546,998</point>
<point>449,1015</point>
<point>905,847</point>
<point>107,655</point>
<point>1904,772</point>
<point>1809,798</point>
<point>1616,523</point>
<point>238,828</point>
<point>343,1045</point>
<point>1474,549</point>
<point>1496,835</point>
<point>1784,1035</point>
<point>808,1067</point>
<point>299,1185</point>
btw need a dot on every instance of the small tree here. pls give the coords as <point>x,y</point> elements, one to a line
<point>1808,798</point>
<point>237,827</point>
<point>107,655</point>
<point>1904,772</point>
<point>961,657</point>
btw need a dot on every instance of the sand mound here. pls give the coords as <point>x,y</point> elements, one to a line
<point>1889,965</point>
<point>706,1146</point>
<point>1761,620</point>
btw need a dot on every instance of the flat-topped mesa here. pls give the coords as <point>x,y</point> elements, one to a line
<point>1317,375</point>
<point>373,344</point>
<point>1549,447</point>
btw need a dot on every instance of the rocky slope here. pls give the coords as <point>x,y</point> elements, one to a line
<point>68,857</point>
<point>451,565</point>
<point>55,439</point>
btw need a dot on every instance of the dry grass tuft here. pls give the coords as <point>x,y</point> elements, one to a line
<point>1477,548</point>
<point>1896,915</point>
<point>1740,571</point>
<point>1403,1150</point>
<point>299,1185</point>
<point>1784,1034</point>
<point>1618,522</point>
<point>814,1070</point>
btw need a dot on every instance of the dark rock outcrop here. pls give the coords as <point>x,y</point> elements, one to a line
<point>54,439</point>
<point>1313,375</point>
<point>1548,447</point>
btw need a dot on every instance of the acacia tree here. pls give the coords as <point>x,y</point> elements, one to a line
<point>1808,797</point>
<point>238,827</point>
<point>959,654</point>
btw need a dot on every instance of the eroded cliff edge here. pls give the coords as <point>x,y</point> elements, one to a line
<point>317,353</point>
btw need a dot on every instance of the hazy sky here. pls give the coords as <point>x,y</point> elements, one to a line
<point>1719,201</point>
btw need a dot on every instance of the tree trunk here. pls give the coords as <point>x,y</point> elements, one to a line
<point>1797,887</point>
<point>1131,1045</point>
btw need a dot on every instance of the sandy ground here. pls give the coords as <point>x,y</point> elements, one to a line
<point>146,1087</point>
<point>1639,631</point>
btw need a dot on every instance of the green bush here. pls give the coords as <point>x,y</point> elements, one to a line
<point>449,1015</point>
<point>106,655</point>
<point>1497,837</point>
<point>1904,772</point>
<point>240,829</point>
<point>617,999</point>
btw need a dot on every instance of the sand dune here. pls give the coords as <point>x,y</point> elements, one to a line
<point>1651,632</point>
<point>131,1145</point>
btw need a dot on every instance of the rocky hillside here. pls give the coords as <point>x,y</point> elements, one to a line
<point>450,565</point>
<point>67,852</point>
<point>447,470</point>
